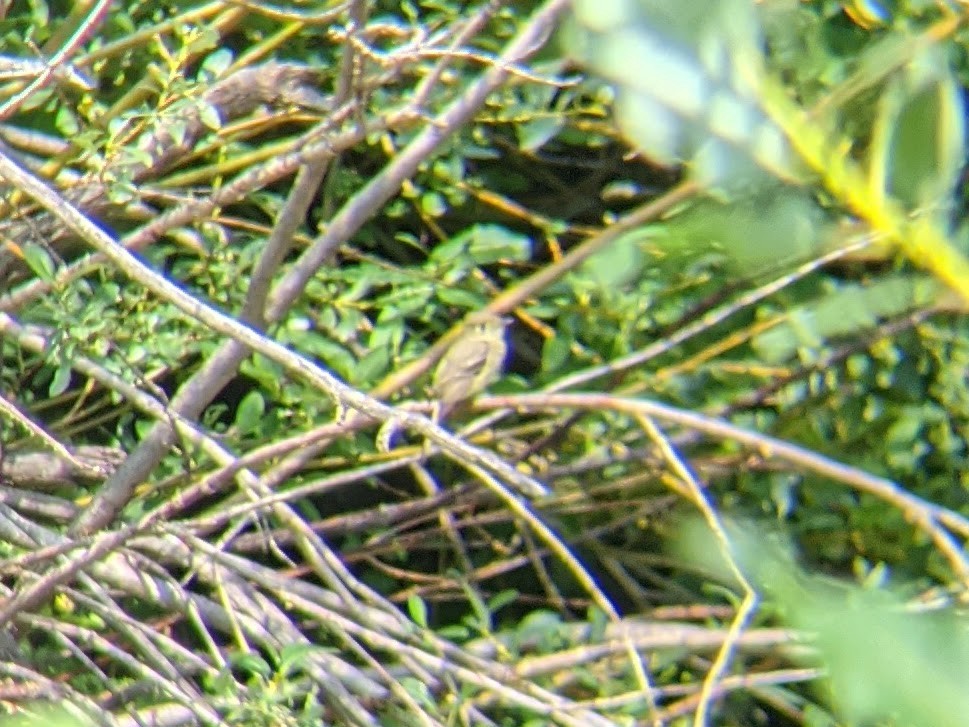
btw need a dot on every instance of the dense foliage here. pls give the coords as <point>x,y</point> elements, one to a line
<point>236,237</point>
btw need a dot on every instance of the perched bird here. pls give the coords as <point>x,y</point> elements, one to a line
<point>472,362</point>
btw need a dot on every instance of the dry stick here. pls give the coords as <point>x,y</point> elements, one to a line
<point>650,636</point>
<point>390,635</point>
<point>449,658</point>
<point>193,308</point>
<point>746,609</point>
<point>297,204</point>
<point>117,491</point>
<point>926,515</point>
<point>518,294</point>
<point>703,323</point>
<point>706,321</point>
<point>310,17</point>
<point>179,690</point>
<point>306,445</point>
<point>886,331</point>
<point>138,398</point>
<point>41,589</point>
<point>195,16</point>
<point>312,146</point>
<point>82,226</point>
<point>735,682</point>
<point>320,142</point>
<point>166,650</point>
<point>38,431</point>
<point>426,85</point>
<point>131,580</point>
<point>294,210</point>
<point>240,602</point>
<point>96,16</point>
<point>119,573</point>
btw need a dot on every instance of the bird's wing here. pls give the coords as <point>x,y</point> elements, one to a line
<point>466,361</point>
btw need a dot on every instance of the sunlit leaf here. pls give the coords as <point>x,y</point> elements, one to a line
<point>250,412</point>
<point>917,151</point>
<point>491,243</point>
<point>532,135</point>
<point>39,261</point>
<point>618,264</point>
<point>686,76</point>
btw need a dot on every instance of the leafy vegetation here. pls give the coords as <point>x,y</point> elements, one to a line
<point>728,450</point>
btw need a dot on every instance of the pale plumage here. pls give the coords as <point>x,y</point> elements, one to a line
<point>472,362</point>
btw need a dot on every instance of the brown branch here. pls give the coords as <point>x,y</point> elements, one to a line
<point>45,471</point>
<point>271,84</point>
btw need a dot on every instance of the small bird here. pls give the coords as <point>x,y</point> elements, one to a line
<point>472,362</point>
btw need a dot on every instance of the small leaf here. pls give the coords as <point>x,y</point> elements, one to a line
<point>555,352</point>
<point>502,599</point>
<point>331,354</point>
<point>417,610</point>
<point>533,135</point>
<point>177,130</point>
<point>372,366</point>
<point>460,298</point>
<point>418,690</point>
<point>216,62</point>
<point>433,204</point>
<point>491,243</point>
<point>539,626</point>
<point>917,149</point>
<point>252,663</point>
<point>61,380</point>
<point>66,121</point>
<point>39,261</point>
<point>209,115</point>
<point>250,412</point>
<point>295,658</point>
<point>618,264</point>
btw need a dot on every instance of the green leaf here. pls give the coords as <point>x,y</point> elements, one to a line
<point>460,298</point>
<point>372,366</point>
<point>847,310</point>
<point>502,599</point>
<point>61,379</point>
<point>39,261</point>
<point>539,626</point>
<point>209,116</point>
<point>918,147</point>
<point>417,610</point>
<point>419,691</point>
<point>556,351</point>
<point>47,715</point>
<point>66,122</point>
<point>250,412</point>
<point>295,658</point>
<point>618,264</point>
<point>177,129</point>
<point>331,354</point>
<point>217,62</point>
<point>760,228</point>
<point>887,663</point>
<point>251,663</point>
<point>533,135</point>
<point>492,243</point>
<point>433,204</point>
